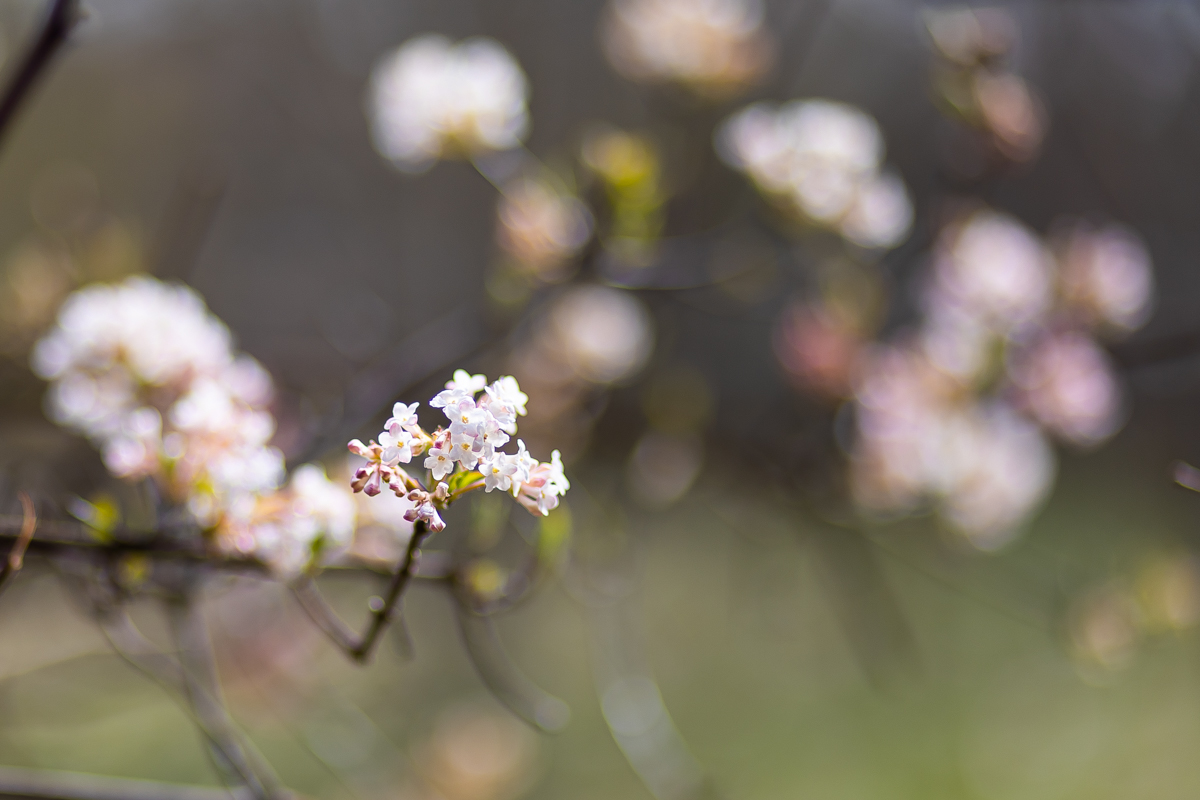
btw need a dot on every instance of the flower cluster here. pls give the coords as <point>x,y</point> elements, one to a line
<point>463,456</point>
<point>432,99</point>
<point>821,160</point>
<point>148,375</point>
<point>955,413</point>
<point>712,47</point>
<point>974,85</point>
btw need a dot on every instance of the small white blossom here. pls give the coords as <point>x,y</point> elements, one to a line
<point>440,459</point>
<point>465,382</point>
<point>462,447</point>
<point>498,471</point>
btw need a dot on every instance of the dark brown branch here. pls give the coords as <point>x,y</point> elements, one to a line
<point>357,647</point>
<point>52,33</point>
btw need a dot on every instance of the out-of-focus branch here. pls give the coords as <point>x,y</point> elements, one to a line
<point>359,648</point>
<point>37,784</point>
<point>60,17</point>
<point>1141,355</point>
<point>504,678</point>
<point>202,690</point>
<point>140,653</point>
<point>16,554</point>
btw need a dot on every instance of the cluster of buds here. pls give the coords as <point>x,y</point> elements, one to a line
<point>956,413</point>
<point>974,84</point>
<point>432,99</point>
<point>820,161</point>
<point>714,48</point>
<point>148,375</point>
<point>461,457</point>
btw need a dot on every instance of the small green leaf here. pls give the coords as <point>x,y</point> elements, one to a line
<point>461,479</point>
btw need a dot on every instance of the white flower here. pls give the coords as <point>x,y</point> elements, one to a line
<point>524,463</point>
<point>545,485</point>
<point>714,47</point>
<point>466,418</point>
<point>996,269</point>
<point>821,159</point>
<point>440,458</point>
<point>490,435</point>
<point>462,446</point>
<point>498,471</point>
<point>1069,386</point>
<point>881,213</point>
<point>402,443</point>
<point>505,401</point>
<point>403,416</point>
<point>1106,274</point>
<point>323,511</point>
<point>464,381</point>
<point>431,98</point>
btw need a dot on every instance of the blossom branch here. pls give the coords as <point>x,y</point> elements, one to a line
<point>360,647</point>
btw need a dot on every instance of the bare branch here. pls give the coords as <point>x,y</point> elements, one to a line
<point>16,556</point>
<point>203,693</point>
<point>37,784</point>
<point>52,33</point>
<point>140,653</point>
<point>504,678</point>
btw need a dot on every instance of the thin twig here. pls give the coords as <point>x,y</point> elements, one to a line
<point>52,33</point>
<point>357,647</point>
<point>16,555</point>
<point>504,678</point>
<point>38,784</point>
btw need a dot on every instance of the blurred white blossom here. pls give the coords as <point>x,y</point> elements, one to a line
<point>996,270</point>
<point>312,518</point>
<point>984,467</point>
<point>431,99</point>
<point>603,334</point>
<point>1106,275</point>
<point>541,226</point>
<point>713,47</point>
<point>822,159</point>
<point>1069,386</point>
<point>952,415</point>
<point>147,374</point>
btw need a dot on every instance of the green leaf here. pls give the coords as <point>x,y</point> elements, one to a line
<point>460,479</point>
